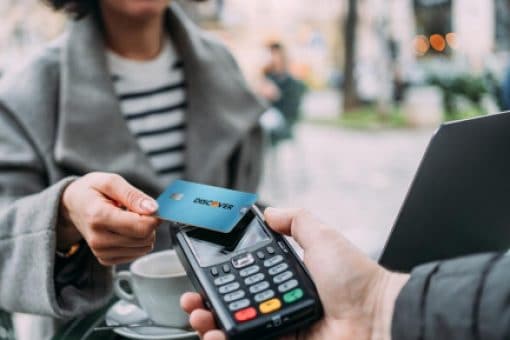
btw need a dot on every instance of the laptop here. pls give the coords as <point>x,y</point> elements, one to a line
<point>459,200</point>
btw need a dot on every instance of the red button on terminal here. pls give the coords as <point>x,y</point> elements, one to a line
<point>245,314</point>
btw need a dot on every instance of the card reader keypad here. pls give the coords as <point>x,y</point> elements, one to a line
<point>257,284</point>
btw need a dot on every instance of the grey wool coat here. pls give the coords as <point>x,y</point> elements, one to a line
<point>60,118</point>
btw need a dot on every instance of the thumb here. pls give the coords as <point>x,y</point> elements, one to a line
<point>298,223</point>
<point>118,189</point>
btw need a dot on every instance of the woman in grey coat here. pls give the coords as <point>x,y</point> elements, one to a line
<point>132,96</point>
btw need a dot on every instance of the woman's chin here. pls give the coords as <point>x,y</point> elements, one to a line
<point>144,15</point>
<point>139,9</point>
<point>145,12</point>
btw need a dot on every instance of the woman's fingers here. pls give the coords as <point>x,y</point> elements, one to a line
<point>191,301</point>
<point>119,252</point>
<point>128,223</point>
<point>202,320</point>
<point>108,240</point>
<point>117,261</point>
<point>118,189</point>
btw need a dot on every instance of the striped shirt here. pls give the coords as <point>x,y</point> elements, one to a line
<point>152,96</point>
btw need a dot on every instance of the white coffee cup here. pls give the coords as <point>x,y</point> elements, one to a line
<point>157,281</point>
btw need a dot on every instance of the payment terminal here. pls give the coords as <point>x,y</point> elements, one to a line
<point>250,278</point>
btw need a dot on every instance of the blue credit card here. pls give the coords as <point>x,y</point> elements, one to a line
<point>204,206</point>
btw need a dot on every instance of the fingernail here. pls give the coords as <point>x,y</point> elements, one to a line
<point>149,205</point>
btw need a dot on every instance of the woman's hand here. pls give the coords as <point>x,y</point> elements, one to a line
<point>357,294</point>
<point>92,207</point>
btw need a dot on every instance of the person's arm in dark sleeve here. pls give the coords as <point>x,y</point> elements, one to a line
<point>465,298</point>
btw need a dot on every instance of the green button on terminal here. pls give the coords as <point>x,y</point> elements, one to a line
<point>293,295</point>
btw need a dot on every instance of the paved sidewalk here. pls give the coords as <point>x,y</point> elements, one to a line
<point>355,180</point>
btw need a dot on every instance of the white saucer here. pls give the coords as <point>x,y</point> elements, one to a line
<point>123,312</point>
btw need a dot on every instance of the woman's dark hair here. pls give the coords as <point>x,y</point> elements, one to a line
<point>76,8</point>
<point>79,8</point>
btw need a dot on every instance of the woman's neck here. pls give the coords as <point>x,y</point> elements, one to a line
<point>136,40</point>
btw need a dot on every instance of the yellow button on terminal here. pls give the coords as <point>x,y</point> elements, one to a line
<point>270,306</point>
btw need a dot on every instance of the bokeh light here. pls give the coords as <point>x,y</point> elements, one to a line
<point>421,45</point>
<point>451,39</point>
<point>437,42</point>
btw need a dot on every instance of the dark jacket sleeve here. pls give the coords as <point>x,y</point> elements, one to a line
<point>465,298</point>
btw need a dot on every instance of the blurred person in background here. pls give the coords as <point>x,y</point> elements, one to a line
<point>464,298</point>
<point>131,97</point>
<point>283,91</point>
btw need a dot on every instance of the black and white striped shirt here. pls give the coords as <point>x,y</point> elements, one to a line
<point>152,96</point>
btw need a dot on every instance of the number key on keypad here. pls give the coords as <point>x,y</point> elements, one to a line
<point>273,260</point>
<point>287,286</point>
<point>259,287</point>
<point>239,304</point>
<point>264,295</point>
<point>249,270</point>
<point>282,277</point>
<point>278,269</point>
<point>229,288</point>
<point>254,279</point>
<point>224,279</point>
<point>234,296</point>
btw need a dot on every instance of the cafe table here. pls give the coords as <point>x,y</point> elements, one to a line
<point>83,328</point>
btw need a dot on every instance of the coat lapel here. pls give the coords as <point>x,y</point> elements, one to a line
<point>92,135</point>
<point>222,109</point>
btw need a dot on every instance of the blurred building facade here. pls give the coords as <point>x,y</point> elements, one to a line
<point>389,33</point>
<point>395,38</point>
<point>312,35</point>
<point>408,36</point>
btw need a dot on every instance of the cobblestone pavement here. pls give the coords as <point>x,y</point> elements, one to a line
<point>354,180</point>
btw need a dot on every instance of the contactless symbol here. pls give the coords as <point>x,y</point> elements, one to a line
<point>177,196</point>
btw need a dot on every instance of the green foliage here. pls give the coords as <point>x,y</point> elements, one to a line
<point>468,88</point>
<point>365,118</point>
